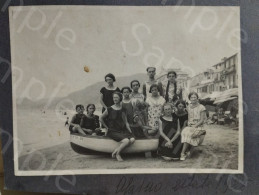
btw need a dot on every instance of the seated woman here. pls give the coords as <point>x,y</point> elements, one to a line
<point>117,126</point>
<point>90,122</point>
<point>74,126</point>
<point>193,133</point>
<point>170,131</point>
<point>181,113</point>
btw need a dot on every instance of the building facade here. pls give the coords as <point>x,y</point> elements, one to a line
<point>226,76</point>
<point>220,77</point>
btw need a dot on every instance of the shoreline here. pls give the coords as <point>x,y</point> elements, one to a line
<point>218,151</point>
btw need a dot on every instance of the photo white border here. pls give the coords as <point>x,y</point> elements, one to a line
<point>18,172</point>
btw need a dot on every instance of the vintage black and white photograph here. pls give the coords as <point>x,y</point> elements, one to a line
<point>126,89</point>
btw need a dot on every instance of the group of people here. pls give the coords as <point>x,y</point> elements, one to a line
<point>157,112</point>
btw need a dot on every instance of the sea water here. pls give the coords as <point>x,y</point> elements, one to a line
<point>37,130</point>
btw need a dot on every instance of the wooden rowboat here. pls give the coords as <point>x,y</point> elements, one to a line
<point>86,143</point>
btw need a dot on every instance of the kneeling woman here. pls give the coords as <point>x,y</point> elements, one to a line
<point>170,140</point>
<point>193,134</point>
<point>117,125</point>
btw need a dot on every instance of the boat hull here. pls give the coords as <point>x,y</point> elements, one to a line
<point>107,145</point>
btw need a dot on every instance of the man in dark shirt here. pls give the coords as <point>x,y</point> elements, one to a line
<point>76,120</point>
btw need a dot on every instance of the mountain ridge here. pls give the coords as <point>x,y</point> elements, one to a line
<point>89,94</point>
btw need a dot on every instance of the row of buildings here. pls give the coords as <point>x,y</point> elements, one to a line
<point>219,77</point>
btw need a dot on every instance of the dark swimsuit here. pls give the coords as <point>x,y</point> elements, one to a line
<point>116,127</point>
<point>90,123</point>
<point>169,129</point>
<point>107,96</point>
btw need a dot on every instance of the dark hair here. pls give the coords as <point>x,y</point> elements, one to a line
<point>180,102</point>
<point>133,82</point>
<point>172,72</point>
<point>152,86</point>
<point>125,88</point>
<point>141,105</point>
<point>79,106</point>
<point>111,76</point>
<point>150,67</point>
<point>193,93</point>
<point>119,94</point>
<point>89,106</point>
<point>167,90</point>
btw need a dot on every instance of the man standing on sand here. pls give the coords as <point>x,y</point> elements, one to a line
<point>151,72</point>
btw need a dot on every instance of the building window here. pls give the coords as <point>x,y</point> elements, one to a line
<point>212,87</point>
<point>204,89</point>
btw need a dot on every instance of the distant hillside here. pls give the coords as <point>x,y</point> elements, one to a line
<point>85,96</point>
<point>91,93</point>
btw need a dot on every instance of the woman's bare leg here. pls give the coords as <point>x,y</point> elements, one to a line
<point>132,140</point>
<point>79,130</point>
<point>185,146</point>
<point>183,155</point>
<point>114,153</point>
<point>124,144</point>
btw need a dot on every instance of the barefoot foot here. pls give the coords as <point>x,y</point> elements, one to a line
<point>119,158</point>
<point>114,153</point>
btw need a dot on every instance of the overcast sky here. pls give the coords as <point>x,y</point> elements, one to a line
<point>118,40</point>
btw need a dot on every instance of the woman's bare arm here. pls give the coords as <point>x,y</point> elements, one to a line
<point>178,132</point>
<point>103,116</point>
<point>202,119</point>
<point>161,131</point>
<point>124,117</point>
<point>101,101</point>
<point>185,124</point>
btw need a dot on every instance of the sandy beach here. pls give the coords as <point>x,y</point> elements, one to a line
<point>219,150</point>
